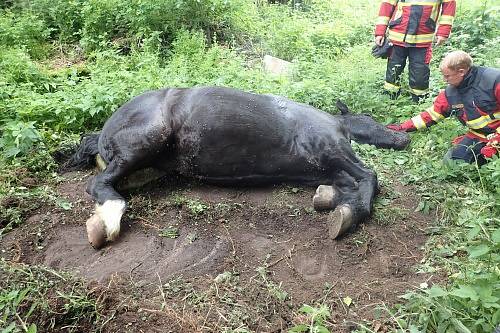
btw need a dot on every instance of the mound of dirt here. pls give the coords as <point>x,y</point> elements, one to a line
<point>198,233</point>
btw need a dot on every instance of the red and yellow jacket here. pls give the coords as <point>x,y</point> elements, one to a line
<point>475,102</point>
<point>413,23</point>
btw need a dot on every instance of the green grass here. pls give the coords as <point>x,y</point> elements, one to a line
<point>40,299</point>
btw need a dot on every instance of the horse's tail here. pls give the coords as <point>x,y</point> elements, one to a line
<point>84,157</point>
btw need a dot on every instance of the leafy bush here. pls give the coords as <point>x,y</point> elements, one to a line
<point>25,31</point>
<point>63,17</point>
<point>18,69</point>
<point>215,65</point>
<point>476,31</point>
<point>470,307</point>
<point>316,319</point>
<point>474,27</point>
<point>123,21</point>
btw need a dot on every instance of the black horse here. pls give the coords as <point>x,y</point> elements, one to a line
<point>231,137</point>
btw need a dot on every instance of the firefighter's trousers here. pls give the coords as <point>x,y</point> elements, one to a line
<point>418,59</point>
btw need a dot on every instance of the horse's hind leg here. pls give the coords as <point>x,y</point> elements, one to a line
<point>105,223</point>
<point>134,180</point>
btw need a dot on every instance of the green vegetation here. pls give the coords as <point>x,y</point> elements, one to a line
<point>66,65</point>
<point>316,317</point>
<point>38,299</point>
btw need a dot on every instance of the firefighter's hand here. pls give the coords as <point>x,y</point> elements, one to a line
<point>440,40</point>
<point>379,40</point>
<point>396,127</point>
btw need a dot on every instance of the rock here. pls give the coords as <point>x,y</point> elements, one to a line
<point>276,65</point>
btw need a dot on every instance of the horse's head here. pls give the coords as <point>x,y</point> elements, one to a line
<point>364,129</point>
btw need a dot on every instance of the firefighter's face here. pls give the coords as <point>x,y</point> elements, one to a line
<point>453,77</point>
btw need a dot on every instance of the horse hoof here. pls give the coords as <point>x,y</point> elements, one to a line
<point>96,233</point>
<point>325,197</point>
<point>339,221</point>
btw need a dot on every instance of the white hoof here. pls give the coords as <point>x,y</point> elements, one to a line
<point>325,198</point>
<point>339,221</point>
<point>96,233</point>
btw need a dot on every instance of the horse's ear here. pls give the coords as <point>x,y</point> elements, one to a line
<point>342,107</point>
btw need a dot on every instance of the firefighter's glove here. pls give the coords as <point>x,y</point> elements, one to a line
<point>407,126</point>
<point>492,146</point>
<point>488,151</point>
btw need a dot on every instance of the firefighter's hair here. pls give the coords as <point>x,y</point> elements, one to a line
<point>456,60</point>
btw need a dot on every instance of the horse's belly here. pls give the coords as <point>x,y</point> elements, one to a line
<point>240,163</point>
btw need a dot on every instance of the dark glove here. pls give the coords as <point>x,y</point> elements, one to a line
<point>383,51</point>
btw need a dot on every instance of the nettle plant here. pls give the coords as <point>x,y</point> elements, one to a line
<point>18,137</point>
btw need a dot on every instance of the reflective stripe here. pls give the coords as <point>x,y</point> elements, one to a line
<point>435,13</point>
<point>478,134</point>
<point>391,87</point>
<point>418,92</point>
<point>480,122</point>
<point>436,116</point>
<point>399,13</point>
<point>399,37</point>
<point>418,122</point>
<point>446,19</point>
<point>419,3</point>
<point>382,20</point>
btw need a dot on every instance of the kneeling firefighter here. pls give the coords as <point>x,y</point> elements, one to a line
<point>473,96</point>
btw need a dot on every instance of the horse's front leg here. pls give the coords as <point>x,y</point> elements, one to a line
<point>351,193</point>
<point>104,224</point>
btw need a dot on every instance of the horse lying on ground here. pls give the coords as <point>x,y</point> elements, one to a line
<point>230,137</point>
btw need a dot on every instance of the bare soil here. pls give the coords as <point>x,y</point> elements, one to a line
<point>200,258</point>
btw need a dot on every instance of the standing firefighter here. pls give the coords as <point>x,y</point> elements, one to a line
<point>412,25</point>
<point>473,96</point>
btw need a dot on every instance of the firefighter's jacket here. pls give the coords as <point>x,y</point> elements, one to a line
<point>413,23</point>
<point>475,102</point>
